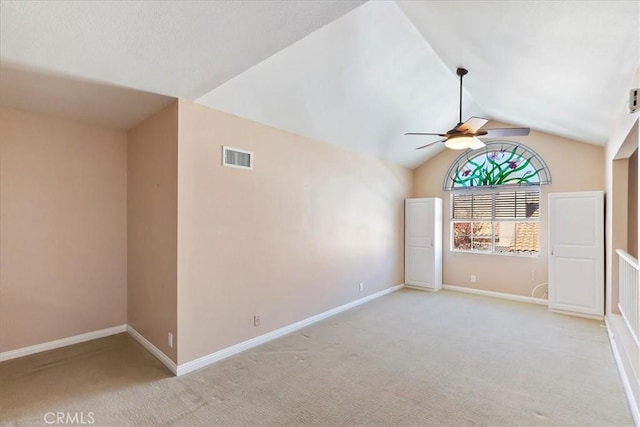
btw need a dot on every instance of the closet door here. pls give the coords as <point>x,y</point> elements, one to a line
<point>576,253</point>
<point>423,243</point>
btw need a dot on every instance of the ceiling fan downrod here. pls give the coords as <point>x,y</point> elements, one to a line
<point>461,72</point>
<point>466,135</point>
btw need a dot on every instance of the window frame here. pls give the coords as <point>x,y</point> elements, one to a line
<point>493,220</point>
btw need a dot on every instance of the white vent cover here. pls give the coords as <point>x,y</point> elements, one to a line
<point>235,158</point>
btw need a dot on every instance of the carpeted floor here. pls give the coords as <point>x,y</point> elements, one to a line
<point>409,358</point>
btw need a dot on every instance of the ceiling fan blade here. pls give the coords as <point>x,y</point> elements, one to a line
<point>476,143</point>
<point>430,144</point>
<point>494,133</point>
<point>423,133</point>
<point>472,125</point>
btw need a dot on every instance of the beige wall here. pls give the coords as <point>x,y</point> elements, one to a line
<point>290,239</point>
<point>152,228</point>
<point>574,167</point>
<point>63,221</point>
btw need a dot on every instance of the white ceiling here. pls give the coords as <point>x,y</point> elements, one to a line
<point>563,67</point>
<point>174,48</point>
<point>359,82</point>
<point>353,75</point>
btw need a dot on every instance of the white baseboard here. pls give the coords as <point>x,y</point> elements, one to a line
<point>624,377</point>
<point>166,361</point>
<point>577,314</point>
<point>194,364</point>
<point>203,361</point>
<point>63,342</point>
<point>502,295</point>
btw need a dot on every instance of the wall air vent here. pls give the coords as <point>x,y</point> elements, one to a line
<point>235,158</point>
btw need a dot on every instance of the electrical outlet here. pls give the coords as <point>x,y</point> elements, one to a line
<point>361,287</point>
<point>473,278</point>
<point>256,320</point>
<point>170,340</point>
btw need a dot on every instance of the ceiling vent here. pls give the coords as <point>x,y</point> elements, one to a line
<point>235,158</point>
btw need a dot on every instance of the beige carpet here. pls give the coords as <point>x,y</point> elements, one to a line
<point>409,358</point>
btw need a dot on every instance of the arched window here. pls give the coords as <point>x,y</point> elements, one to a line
<point>499,163</point>
<point>495,200</point>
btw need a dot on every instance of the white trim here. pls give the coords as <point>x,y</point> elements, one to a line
<point>63,342</point>
<point>626,322</point>
<point>420,288</point>
<point>577,314</point>
<point>633,407</point>
<point>203,361</point>
<point>501,295</point>
<point>633,262</point>
<point>505,254</point>
<point>197,363</point>
<point>166,361</point>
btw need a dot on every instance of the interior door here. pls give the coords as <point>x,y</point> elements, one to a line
<point>419,242</point>
<point>576,252</point>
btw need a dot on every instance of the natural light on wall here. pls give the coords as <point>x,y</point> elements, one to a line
<point>495,200</point>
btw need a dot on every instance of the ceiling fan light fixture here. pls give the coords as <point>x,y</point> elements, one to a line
<point>463,142</point>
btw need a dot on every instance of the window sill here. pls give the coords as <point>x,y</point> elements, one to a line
<point>504,254</point>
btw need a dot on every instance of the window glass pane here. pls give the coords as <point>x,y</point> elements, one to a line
<point>482,236</point>
<point>502,204</point>
<point>497,167</point>
<point>499,163</point>
<point>472,206</point>
<point>517,204</point>
<point>517,237</point>
<point>474,236</point>
<point>462,235</point>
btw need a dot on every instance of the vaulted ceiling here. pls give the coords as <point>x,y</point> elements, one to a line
<point>349,73</point>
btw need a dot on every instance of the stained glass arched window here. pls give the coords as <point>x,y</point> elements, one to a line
<point>499,163</point>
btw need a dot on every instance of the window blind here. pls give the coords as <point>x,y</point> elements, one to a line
<point>499,205</point>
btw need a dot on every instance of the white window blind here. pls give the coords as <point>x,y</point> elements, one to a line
<point>499,205</point>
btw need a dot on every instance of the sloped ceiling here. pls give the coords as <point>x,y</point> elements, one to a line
<point>346,73</point>
<point>564,67</point>
<point>359,82</point>
<point>174,48</point>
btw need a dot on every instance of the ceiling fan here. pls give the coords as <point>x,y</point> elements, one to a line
<point>466,135</point>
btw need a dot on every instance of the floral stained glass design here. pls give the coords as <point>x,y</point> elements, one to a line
<point>499,163</point>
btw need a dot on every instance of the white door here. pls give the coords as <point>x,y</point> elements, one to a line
<point>419,243</point>
<point>576,252</point>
